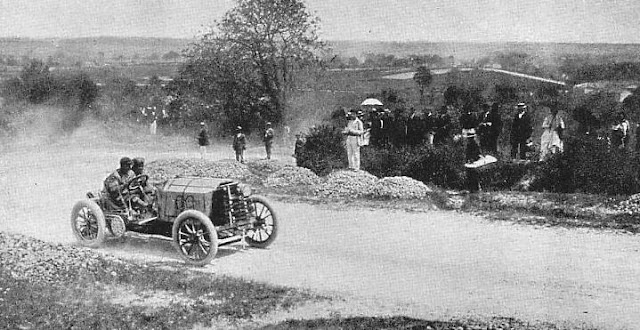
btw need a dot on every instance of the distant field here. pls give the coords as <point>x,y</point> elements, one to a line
<point>409,75</point>
<point>111,47</point>
<point>91,48</point>
<point>469,50</point>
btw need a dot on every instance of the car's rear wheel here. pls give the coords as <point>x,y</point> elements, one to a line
<point>88,223</point>
<point>264,227</point>
<point>195,237</point>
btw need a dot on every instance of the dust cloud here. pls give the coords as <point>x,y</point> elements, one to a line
<point>45,170</point>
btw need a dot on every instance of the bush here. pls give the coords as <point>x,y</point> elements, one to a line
<point>323,150</point>
<point>76,90</point>
<point>589,165</point>
<point>13,90</point>
<point>36,81</point>
<point>386,160</point>
<point>37,85</point>
<point>440,165</point>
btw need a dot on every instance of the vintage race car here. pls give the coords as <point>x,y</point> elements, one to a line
<point>198,214</point>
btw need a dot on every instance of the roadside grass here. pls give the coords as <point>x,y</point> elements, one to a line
<point>191,301</point>
<point>553,209</point>
<point>90,300</point>
<point>403,322</point>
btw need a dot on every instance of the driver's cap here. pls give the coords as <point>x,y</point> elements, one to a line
<point>138,162</point>
<point>125,161</point>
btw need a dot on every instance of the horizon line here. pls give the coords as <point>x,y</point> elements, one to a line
<point>337,40</point>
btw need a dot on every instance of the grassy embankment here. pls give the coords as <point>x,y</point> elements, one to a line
<point>133,296</point>
<point>123,295</point>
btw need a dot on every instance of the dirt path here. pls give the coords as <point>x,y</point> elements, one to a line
<point>435,264</point>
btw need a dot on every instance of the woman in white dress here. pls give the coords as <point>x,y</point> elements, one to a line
<point>551,140</point>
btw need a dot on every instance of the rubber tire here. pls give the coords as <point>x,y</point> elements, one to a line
<point>102,224</point>
<point>263,244</point>
<point>189,214</point>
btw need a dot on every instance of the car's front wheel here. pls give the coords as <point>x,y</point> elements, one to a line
<point>88,223</point>
<point>264,227</point>
<point>195,237</point>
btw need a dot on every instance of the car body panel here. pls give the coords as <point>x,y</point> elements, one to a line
<point>187,193</point>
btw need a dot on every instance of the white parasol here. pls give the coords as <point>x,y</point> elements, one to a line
<point>371,102</point>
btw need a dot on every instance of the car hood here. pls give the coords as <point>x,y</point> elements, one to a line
<point>194,184</point>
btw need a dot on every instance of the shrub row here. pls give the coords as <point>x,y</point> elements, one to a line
<point>37,84</point>
<point>588,165</point>
<point>324,152</point>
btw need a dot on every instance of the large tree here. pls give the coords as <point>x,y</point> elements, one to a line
<point>255,51</point>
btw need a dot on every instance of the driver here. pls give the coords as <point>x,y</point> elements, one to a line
<point>116,182</point>
<point>143,199</point>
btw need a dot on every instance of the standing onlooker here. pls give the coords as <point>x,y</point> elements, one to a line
<point>386,119</point>
<point>620,132</point>
<point>203,140</point>
<point>469,122</point>
<point>365,138</point>
<point>377,125</point>
<point>429,126</point>
<point>153,127</point>
<point>443,125</point>
<point>239,144</point>
<point>521,131</point>
<point>551,139</point>
<point>268,139</point>
<point>490,128</point>
<point>353,132</point>
<point>286,135</point>
<point>298,148</point>
<point>416,129</point>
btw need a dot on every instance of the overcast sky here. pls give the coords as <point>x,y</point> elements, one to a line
<point>585,21</point>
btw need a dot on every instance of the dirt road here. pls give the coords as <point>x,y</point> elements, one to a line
<point>434,264</point>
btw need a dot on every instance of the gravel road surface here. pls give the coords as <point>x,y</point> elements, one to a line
<point>433,264</point>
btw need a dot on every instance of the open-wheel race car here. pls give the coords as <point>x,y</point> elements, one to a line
<point>198,214</point>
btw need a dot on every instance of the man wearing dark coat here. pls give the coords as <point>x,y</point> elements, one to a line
<point>203,140</point>
<point>521,130</point>
<point>490,128</point>
<point>443,124</point>
<point>267,138</point>
<point>239,144</point>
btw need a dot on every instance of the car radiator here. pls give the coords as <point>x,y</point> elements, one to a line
<point>236,207</point>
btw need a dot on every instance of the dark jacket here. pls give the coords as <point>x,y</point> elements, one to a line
<point>468,120</point>
<point>492,124</point>
<point>521,128</point>
<point>268,136</point>
<point>203,137</point>
<point>239,142</point>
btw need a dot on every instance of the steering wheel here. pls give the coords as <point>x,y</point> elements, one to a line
<point>137,182</point>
